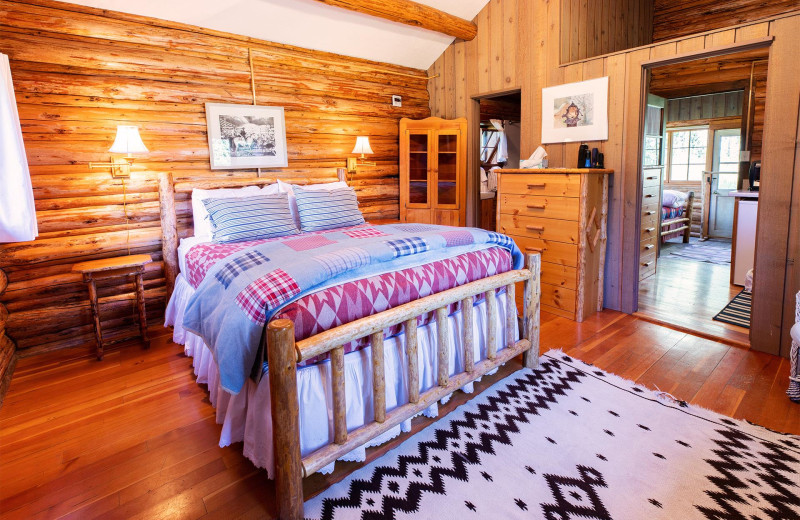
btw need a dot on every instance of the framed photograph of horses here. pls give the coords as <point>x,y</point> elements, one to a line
<point>246,136</point>
<point>575,112</point>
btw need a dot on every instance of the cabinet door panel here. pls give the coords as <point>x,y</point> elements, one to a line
<point>421,216</point>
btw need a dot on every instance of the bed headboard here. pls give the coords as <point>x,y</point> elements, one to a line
<point>167,188</point>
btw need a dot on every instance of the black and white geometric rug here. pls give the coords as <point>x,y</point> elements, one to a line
<point>569,441</point>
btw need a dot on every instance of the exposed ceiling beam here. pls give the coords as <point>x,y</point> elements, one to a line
<point>411,13</point>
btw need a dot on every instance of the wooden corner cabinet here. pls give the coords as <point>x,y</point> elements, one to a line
<point>433,171</point>
<point>561,214</point>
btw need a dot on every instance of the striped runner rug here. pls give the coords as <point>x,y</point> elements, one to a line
<point>737,312</point>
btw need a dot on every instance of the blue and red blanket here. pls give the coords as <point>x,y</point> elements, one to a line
<point>240,292</point>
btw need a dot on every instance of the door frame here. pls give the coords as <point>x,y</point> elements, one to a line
<point>766,333</point>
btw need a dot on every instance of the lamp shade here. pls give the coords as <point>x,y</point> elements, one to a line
<point>362,145</point>
<point>128,141</point>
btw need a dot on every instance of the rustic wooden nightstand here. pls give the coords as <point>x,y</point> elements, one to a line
<point>107,268</point>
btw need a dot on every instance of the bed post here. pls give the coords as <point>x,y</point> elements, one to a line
<point>530,328</point>
<point>169,229</point>
<point>282,363</point>
<point>689,208</point>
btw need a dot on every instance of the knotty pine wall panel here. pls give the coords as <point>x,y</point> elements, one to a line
<point>78,72</point>
<point>536,51</point>
<point>593,27</point>
<point>673,19</point>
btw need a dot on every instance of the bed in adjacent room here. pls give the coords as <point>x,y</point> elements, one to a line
<point>328,280</point>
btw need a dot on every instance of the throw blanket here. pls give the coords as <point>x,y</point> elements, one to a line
<point>240,293</point>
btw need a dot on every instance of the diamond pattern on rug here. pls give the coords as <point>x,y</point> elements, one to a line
<point>517,451</point>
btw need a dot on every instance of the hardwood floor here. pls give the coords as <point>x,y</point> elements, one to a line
<point>687,294</point>
<point>134,436</point>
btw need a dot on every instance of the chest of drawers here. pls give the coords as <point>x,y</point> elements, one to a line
<point>561,214</point>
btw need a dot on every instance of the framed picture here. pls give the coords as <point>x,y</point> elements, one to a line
<point>575,112</point>
<point>246,136</point>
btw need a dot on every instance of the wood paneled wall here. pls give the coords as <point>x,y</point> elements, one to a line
<point>529,60</point>
<point>593,27</point>
<point>78,72</point>
<point>673,19</point>
<point>709,106</point>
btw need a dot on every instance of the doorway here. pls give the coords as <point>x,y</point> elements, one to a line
<point>699,141</point>
<point>499,148</point>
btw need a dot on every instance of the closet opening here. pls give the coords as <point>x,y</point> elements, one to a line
<point>499,148</point>
<point>701,153</point>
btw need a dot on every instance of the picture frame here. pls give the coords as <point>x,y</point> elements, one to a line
<point>575,112</point>
<point>246,136</point>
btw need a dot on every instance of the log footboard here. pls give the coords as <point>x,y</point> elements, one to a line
<point>283,354</point>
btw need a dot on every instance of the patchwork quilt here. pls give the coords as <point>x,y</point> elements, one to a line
<point>240,287</point>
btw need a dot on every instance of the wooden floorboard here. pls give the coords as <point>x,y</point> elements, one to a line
<point>134,436</point>
<point>687,294</point>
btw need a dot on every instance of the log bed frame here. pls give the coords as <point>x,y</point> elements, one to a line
<point>685,220</point>
<point>283,354</point>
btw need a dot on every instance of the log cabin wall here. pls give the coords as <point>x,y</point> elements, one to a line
<point>503,57</point>
<point>78,72</point>
<point>673,19</point>
<point>594,27</point>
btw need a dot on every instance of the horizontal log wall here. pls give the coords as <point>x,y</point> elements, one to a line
<point>78,72</point>
<point>673,19</point>
<point>531,61</point>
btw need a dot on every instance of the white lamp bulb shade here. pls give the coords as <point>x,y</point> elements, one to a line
<point>362,145</point>
<point>128,141</point>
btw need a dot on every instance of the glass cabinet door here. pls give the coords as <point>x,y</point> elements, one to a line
<point>418,168</point>
<point>447,145</point>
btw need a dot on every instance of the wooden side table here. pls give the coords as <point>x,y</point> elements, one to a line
<point>107,268</point>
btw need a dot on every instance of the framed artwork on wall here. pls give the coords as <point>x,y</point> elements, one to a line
<point>575,112</point>
<point>246,136</point>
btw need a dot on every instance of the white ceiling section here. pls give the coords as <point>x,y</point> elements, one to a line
<point>309,24</point>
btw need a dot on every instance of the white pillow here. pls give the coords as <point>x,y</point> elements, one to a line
<point>287,188</point>
<point>673,198</point>
<point>202,224</point>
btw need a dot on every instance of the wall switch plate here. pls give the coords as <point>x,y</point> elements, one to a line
<point>397,101</point>
<point>744,156</point>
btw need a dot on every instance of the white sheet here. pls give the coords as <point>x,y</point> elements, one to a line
<point>185,245</point>
<point>246,416</point>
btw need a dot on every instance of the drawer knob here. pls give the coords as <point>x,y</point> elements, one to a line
<point>537,206</point>
<point>533,250</point>
<point>647,264</point>
<point>650,229</point>
<point>652,178</point>
<point>650,213</point>
<point>649,246</point>
<point>535,228</point>
<point>533,186</point>
<point>649,195</point>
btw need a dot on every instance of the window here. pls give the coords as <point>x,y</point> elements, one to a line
<point>687,154</point>
<point>727,145</point>
<point>489,141</point>
<point>652,135</point>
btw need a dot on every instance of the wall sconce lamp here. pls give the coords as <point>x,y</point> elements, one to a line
<point>127,142</point>
<point>362,147</point>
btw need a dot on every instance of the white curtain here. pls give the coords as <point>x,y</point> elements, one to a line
<point>502,145</point>
<point>17,212</point>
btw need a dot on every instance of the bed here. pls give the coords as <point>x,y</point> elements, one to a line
<point>351,375</point>
<point>676,215</point>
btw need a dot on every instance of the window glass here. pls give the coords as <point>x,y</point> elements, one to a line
<point>687,154</point>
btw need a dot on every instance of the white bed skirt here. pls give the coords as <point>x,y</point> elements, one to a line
<point>246,417</point>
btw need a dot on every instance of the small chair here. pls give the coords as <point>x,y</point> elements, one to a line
<point>794,356</point>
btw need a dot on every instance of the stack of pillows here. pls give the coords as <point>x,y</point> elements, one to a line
<point>253,213</point>
<point>673,199</point>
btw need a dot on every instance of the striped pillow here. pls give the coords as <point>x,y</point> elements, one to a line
<point>250,218</point>
<point>320,210</point>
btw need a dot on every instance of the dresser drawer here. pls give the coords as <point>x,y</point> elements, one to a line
<point>565,208</point>
<point>650,210</point>
<point>647,260</point>
<point>647,246</point>
<point>650,195</point>
<point>558,298</point>
<point>646,272</point>
<point>650,221</point>
<point>545,228</point>
<point>559,185</point>
<point>559,275</point>
<point>651,178</point>
<point>552,252</point>
<point>648,232</point>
